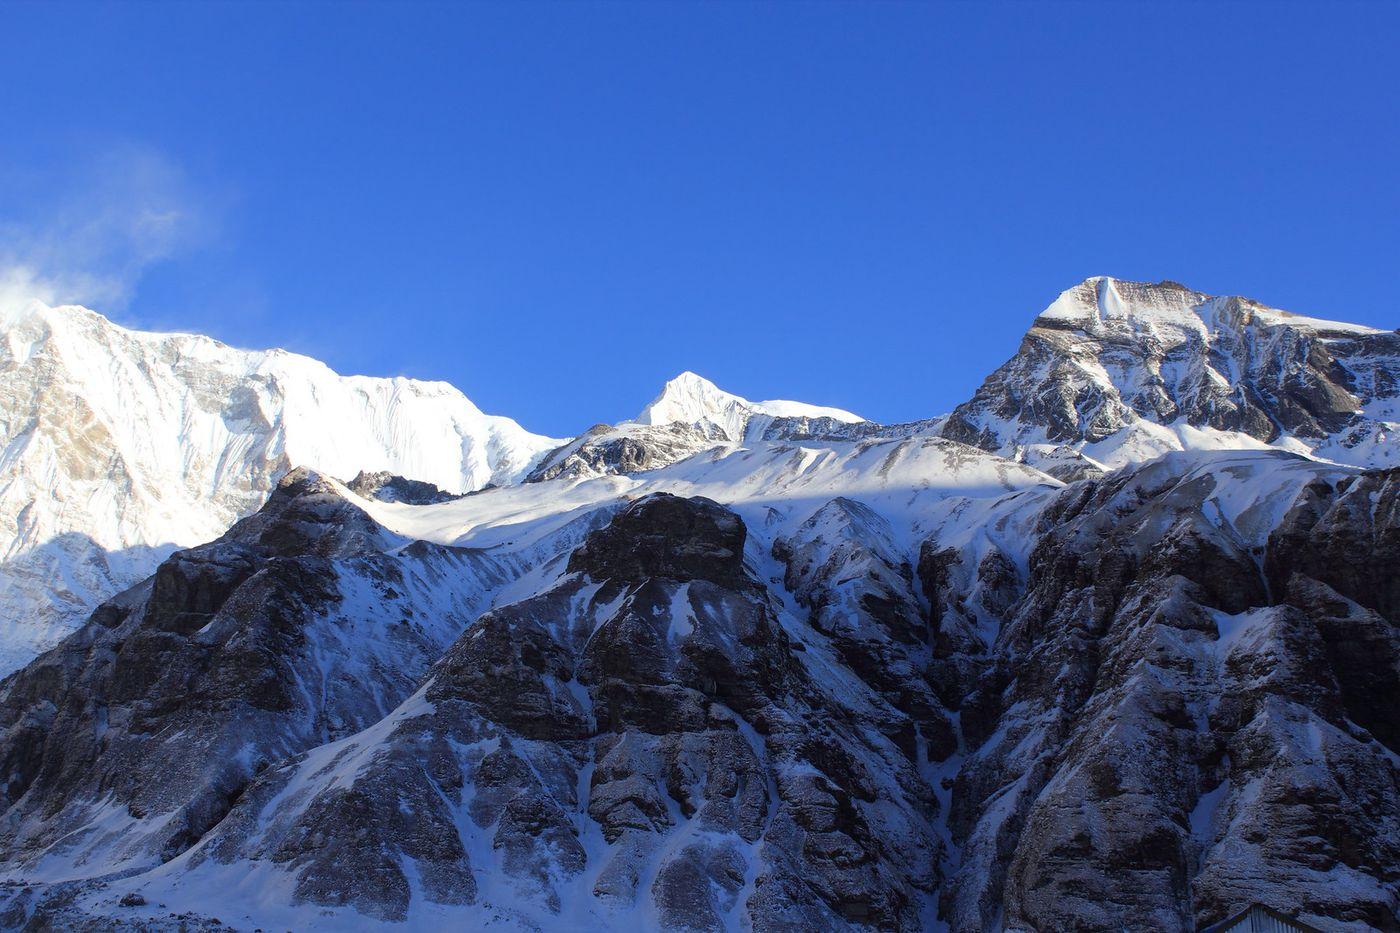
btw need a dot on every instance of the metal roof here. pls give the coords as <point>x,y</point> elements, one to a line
<point>1259,919</point>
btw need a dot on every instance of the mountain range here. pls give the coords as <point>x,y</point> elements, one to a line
<point>1112,645</point>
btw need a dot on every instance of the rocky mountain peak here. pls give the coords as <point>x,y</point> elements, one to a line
<point>1162,310</point>
<point>667,536</point>
<point>1100,300</point>
<point>1122,371</point>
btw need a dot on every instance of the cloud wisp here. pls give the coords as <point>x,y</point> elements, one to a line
<point>86,234</point>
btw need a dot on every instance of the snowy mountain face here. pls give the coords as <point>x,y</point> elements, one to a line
<point>763,666</point>
<point>117,446</point>
<point>1119,372</point>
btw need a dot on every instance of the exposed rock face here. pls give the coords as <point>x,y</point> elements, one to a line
<point>126,743</point>
<point>843,565</point>
<point>1111,361</point>
<point>1345,535</point>
<point>669,537</point>
<point>386,487</point>
<point>1143,701</point>
<point>639,736</point>
<point>1164,737</point>
<point>627,448</point>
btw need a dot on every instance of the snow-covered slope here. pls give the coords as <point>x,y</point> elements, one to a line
<point>773,485</point>
<point>117,446</point>
<point>1120,372</point>
<point>348,606</point>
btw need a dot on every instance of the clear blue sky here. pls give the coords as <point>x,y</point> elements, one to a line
<point>556,207</point>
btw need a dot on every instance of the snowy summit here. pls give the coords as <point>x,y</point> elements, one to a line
<point>694,400</point>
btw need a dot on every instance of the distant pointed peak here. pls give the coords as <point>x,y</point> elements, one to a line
<point>690,398</point>
<point>689,378</point>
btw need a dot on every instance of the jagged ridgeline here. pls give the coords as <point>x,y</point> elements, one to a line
<point>1112,646</point>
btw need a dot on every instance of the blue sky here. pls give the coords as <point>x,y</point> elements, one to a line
<point>557,207</point>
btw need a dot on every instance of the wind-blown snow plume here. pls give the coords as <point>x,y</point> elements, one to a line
<point>124,211</point>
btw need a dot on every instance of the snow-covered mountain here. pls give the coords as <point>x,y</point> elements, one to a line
<point>1117,372</point>
<point>892,684</point>
<point>118,446</point>
<point>766,666</point>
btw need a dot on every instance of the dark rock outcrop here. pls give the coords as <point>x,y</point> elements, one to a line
<point>668,537</point>
<point>388,487</point>
<point>644,724</point>
<point>233,656</point>
<point>604,449</point>
<point>1165,734</point>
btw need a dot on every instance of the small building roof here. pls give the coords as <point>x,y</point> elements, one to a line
<point>1257,918</point>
